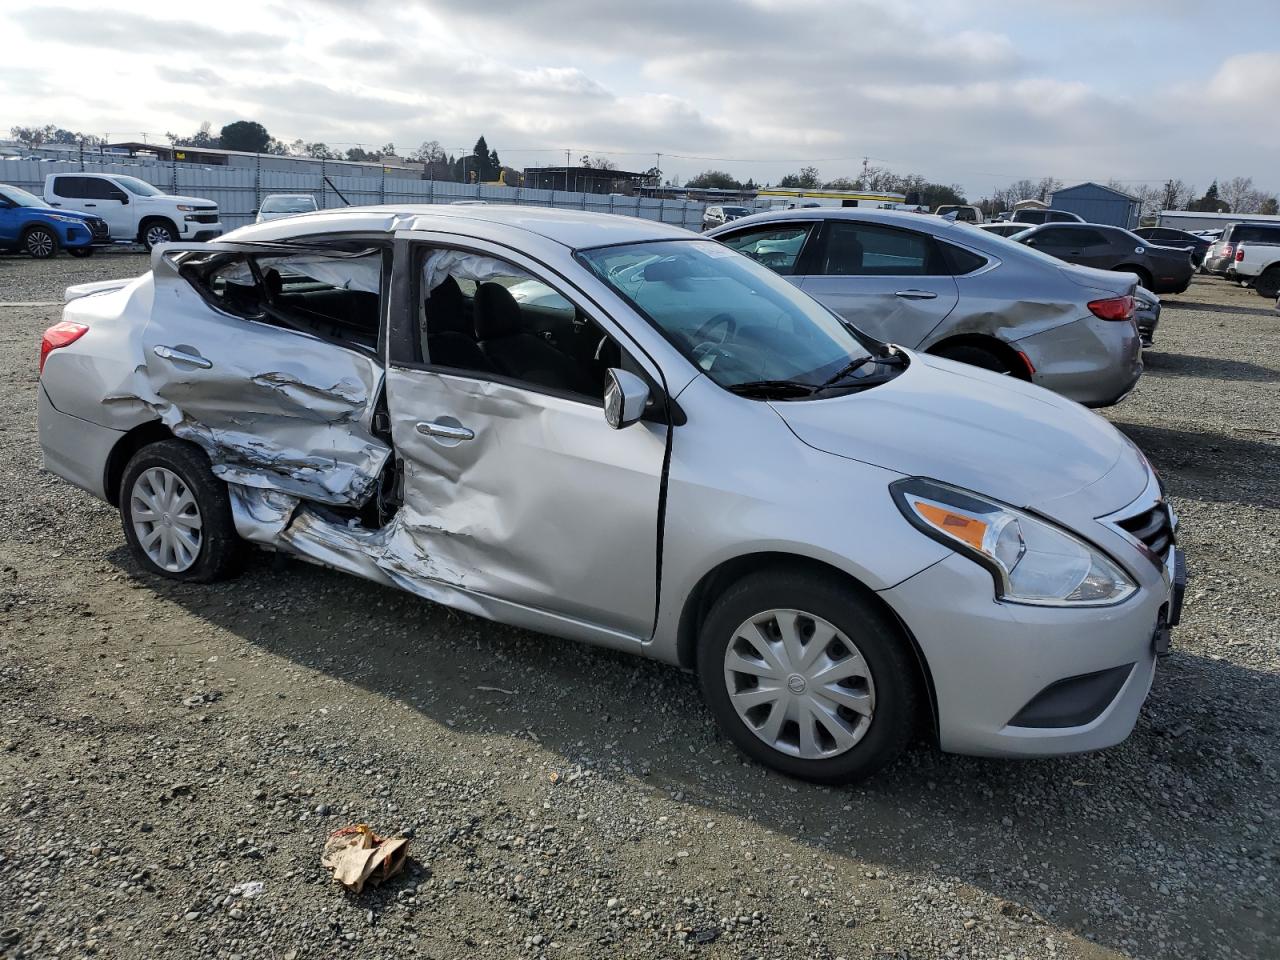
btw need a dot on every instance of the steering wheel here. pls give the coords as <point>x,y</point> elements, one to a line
<point>703,333</point>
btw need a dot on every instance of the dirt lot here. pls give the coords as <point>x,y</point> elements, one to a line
<point>162,744</point>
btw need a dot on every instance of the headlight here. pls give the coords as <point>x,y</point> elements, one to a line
<point>61,219</point>
<point>185,206</point>
<point>1031,560</point>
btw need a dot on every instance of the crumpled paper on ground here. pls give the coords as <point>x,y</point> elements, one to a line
<point>357,856</point>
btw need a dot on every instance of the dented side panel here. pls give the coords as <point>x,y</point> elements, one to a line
<point>272,408</point>
<point>546,506</point>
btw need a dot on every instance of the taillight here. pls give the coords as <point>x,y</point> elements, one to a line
<point>59,335</point>
<point>1239,254</point>
<point>1113,308</point>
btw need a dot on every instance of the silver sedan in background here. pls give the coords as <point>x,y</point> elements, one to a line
<point>957,292</point>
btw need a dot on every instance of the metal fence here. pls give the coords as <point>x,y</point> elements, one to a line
<point>238,191</point>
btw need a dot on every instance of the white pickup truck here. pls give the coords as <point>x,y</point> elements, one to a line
<point>1257,265</point>
<point>135,211</point>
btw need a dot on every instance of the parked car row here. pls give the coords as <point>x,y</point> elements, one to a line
<point>663,445</point>
<point>85,211</point>
<point>1220,257</point>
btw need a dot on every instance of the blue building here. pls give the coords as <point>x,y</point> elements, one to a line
<point>1099,204</point>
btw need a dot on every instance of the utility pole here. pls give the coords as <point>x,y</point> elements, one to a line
<point>658,179</point>
<point>865,161</point>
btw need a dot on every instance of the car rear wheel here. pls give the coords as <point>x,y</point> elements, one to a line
<point>977,357</point>
<point>177,515</point>
<point>1268,284</point>
<point>40,243</point>
<point>1144,278</point>
<point>807,677</point>
<point>158,231</point>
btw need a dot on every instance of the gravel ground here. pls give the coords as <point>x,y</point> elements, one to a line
<point>161,745</point>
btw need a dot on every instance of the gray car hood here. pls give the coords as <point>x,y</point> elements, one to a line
<point>958,424</point>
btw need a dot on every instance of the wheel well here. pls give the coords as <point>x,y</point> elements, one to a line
<point>154,218</point>
<point>1008,354</point>
<point>140,436</point>
<point>703,596</point>
<point>1143,273</point>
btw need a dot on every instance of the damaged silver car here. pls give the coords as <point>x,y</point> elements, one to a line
<point>615,431</point>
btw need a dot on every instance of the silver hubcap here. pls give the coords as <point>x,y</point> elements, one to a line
<point>166,519</point>
<point>156,235</point>
<point>39,244</point>
<point>799,684</point>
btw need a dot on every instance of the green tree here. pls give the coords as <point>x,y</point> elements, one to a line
<point>714,179</point>
<point>245,135</point>
<point>808,178</point>
<point>1270,206</point>
<point>360,155</point>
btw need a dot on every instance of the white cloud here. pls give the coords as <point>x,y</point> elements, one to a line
<point>958,90</point>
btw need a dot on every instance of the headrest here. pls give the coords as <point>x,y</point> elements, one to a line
<point>446,309</point>
<point>497,314</point>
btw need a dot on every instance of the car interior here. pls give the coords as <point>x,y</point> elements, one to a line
<point>517,328</point>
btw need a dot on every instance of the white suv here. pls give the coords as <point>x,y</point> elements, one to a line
<point>133,209</point>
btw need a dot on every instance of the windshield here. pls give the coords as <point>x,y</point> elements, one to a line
<point>736,211</point>
<point>21,198</point>
<point>139,187</point>
<point>735,320</point>
<point>288,205</point>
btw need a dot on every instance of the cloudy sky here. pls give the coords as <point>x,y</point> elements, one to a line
<point>978,92</point>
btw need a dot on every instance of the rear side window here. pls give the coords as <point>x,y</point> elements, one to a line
<point>863,249</point>
<point>337,297</point>
<point>777,247</point>
<point>71,187</point>
<point>1247,233</point>
<point>962,261</point>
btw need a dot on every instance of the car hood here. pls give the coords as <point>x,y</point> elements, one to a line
<point>73,214</point>
<point>962,425</point>
<point>174,198</point>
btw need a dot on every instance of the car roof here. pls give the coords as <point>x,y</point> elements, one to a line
<point>893,218</point>
<point>576,229</point>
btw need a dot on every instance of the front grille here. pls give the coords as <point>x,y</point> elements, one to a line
<point>1153,527</point>
<point>99,229</point>
<point>205,218</point>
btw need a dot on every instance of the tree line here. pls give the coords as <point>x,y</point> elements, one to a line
<point>1234,195</point>
<point>916,189</point>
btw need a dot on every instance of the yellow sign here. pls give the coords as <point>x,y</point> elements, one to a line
<point>180,155</point>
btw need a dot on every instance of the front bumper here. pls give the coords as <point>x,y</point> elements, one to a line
<point>993,663</point>
<point>1091,361</point>
<point>195,230</point>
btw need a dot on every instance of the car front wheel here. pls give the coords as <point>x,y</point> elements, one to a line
<point>808,677</point>
<point>40,243</point>
<point>158,231</point>
<point>177,515</point>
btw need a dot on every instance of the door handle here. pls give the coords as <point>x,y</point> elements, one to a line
<point>916,295</point>
<point>443,430</point>
<point>55,204</point>
<point>181,356</point>
<point>90,204</point>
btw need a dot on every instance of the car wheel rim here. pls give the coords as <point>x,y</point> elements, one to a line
<point>39,244</point>
<point>799,684</point>
<point>157,235</point>
<point>166,519</point>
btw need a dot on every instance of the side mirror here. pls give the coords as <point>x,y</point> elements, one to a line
<point>253,212</point>
<point>1029,243</point>
<point>625,396</point>
<point>122,197</point>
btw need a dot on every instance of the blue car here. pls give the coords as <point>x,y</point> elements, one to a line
<point>28,225</point>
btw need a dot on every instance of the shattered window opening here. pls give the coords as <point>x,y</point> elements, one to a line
<point>335,296</point>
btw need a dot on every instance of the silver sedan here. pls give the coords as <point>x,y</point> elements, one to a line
<point>960,292</point>
<point>619,432</point>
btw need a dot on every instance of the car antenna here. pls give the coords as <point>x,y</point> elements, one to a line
<point>337,191</point>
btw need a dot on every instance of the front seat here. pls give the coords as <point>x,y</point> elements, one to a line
<point>450,340</point>
<point>516,353</point>
<point>844,254</point>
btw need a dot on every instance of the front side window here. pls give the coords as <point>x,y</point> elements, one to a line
<point>777,247</point>
<point>854,248</point>
<point>487,318</point>
<point>736,321</point>
<point>73,188</point>
<point>139,187</point>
